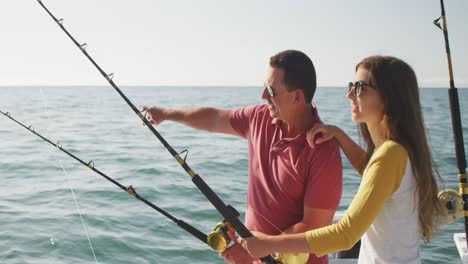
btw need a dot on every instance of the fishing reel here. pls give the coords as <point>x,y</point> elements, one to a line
<point>218,239</point>
<point>452,206</point>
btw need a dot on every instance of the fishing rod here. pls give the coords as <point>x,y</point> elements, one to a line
<point>130,190</point>
<point>228,212</point>
<point>456,121</point>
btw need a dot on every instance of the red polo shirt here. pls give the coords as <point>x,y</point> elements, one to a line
<point>285,173</point>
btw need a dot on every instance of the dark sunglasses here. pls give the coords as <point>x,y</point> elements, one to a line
<point>357,87</point>
<point>269,89</point>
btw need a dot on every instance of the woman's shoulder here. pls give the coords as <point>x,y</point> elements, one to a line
<point>392,149</point>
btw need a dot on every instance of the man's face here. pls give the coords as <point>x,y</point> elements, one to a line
<point>281,102</point>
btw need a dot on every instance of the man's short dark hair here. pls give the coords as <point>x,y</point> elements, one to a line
<point>299,71</point>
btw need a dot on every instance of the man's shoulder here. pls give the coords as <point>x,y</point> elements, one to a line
<point>253,111</point>
<point>252,108</point>
<point>248,118</point>
<point>259,108</point>
<point>330,146</point>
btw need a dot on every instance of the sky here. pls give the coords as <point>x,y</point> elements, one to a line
<point>215,42</point>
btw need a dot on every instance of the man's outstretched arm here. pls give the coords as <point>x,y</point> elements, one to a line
<point>202,118</point>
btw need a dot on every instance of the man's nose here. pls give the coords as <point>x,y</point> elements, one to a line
<point>350,95</point>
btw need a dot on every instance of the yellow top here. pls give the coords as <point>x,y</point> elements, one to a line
<point>381,178</point>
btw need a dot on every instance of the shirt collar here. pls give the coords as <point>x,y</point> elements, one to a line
<point>301,138</point>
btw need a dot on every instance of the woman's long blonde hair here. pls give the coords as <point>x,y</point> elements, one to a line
<point>396,83</point>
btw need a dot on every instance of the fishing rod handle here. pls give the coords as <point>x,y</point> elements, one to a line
<point>226,211</point>
<point>457,130</point>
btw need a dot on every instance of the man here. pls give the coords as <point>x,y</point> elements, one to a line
<point>292,187</point>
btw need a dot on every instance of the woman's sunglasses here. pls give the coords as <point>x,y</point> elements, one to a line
<point>357,87</point>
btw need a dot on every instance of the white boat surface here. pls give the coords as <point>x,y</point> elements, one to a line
<point>460,242</point>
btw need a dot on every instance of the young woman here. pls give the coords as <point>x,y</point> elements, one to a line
<point>396,202</point>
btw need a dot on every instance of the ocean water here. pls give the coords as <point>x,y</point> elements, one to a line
<point>55,210</point>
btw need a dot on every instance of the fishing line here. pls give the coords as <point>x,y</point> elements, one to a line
<point>83,223</point>
<point>46,109</point>
<point>266,219</point>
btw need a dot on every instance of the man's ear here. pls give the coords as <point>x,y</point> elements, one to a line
<point>299,96</point>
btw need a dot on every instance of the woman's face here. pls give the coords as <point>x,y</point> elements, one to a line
<point>367,107</point>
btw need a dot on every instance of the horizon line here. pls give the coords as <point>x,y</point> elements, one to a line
<point>186,85</point>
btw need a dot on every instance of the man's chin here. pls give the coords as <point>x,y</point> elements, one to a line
<point>273,114</point>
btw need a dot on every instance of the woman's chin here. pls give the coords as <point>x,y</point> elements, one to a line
<point>355,118</point>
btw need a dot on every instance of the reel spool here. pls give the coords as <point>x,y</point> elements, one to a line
<point>219,239</point>
<point>452,206</point>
